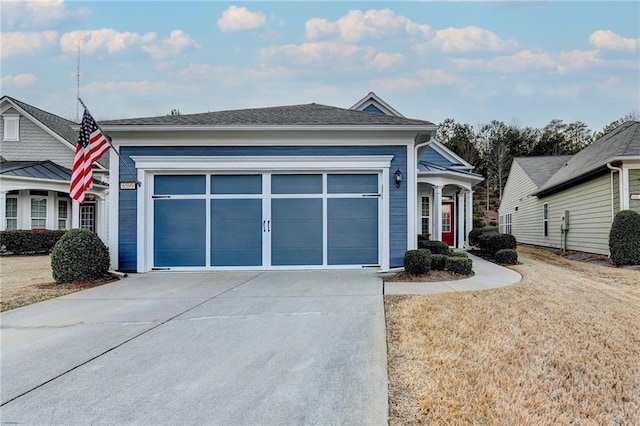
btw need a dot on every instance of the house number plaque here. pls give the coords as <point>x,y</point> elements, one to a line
<point>635,196</point>
<point>128,186</point>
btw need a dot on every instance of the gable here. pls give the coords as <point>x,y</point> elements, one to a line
<point>374,104</point>
<point>372,108</point>
<point>440,155</point>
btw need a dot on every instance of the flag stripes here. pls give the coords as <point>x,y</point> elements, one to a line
<point>92,144</point>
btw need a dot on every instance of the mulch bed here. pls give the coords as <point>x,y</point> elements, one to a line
<point>431,276</point>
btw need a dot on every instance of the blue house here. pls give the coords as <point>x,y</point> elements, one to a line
<point>301,186</point>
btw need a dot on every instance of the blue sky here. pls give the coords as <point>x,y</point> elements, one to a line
<point>528,62</point>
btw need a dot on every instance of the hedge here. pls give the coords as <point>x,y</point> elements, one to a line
<point>459,254</point>
<point>459,265</point>
<point>491,242</point>
<point>438,262</point>
<point>475,234</point>
<point>79,255</point>
<point>624,238</point>
<point>417,262</point>
<point>28,241</point>
<point>435,247</point>
<point>507,256</point>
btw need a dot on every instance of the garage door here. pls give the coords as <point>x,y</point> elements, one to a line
<point>266,220</point>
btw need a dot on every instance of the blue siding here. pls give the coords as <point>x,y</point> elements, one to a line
<point>431,156</point>
<point>127,250</point>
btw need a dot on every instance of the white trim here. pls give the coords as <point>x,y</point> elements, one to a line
<point>114,128</point>
<point>148,166</point>
<point>411,186</point>
<point>373,99</point>
<point>113,205</point>
<point>185,163</point>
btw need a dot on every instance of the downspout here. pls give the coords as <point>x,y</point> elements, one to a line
<point>619,170</point>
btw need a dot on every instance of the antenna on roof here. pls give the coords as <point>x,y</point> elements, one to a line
<point>78,86</point>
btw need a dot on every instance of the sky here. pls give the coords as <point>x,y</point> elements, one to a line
<point>519,62</point>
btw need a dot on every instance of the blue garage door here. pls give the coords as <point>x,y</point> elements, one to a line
<point>255,220</point>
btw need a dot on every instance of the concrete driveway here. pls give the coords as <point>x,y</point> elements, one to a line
<point>236,348</point>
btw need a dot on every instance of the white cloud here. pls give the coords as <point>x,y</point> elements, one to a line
<point>30,14</point>
<point>436,77</point>
<point>321,53</point>
<point>357,25</point>
<point>383,61</point>
<point>610,40</point>
<point>139,87</point>
<point>104,39</point>
<point>27,43</point>
<point>19,80</point>
<point>170,46</point>
<point>240,19</point>
<point>561,62</point>
<point>466,39</point>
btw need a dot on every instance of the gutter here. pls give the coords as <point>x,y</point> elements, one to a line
<point>195,128</point>
<point>619,170</point>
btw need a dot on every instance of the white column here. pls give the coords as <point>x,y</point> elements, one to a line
<point>437,212</point>
<point>75,214</point>
<point>3,210</point>
<point>460,226</point>
<point>52,210</point>
<point>469,216</point>
<point>101,217</point>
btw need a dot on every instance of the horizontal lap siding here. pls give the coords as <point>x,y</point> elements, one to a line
<point>634,188</point>
<point>127,239</point>
<point>589,205</point>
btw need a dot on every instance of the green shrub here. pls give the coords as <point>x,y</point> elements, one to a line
<point>28,241</point>
<point>458,254</point>
<point>491,228</point>
<point>417,262</point>
<point>624,238</point>
<point>475,234</point>
<point>491,242</point>
<point>459,265</point>
<point>79,255</point>
<point>507,256</point>
<point>435,247</point>
<point>438,262</point>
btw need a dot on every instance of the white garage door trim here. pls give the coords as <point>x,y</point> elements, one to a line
<point>148,166</point>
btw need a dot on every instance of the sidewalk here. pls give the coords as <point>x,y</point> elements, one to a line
<point>487,275</point>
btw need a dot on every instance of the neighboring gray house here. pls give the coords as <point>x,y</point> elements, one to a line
<point>36,157</point>
<point>570,201</point>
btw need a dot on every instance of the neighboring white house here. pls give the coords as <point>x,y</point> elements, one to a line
<point>36,156</point>
<point>570,201</point>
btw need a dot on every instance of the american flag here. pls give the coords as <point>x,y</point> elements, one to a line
<point>92,144</point>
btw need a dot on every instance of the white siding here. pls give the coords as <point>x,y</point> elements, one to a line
<point>35,145</point>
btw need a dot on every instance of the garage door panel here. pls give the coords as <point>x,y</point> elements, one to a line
<point>236,184</point>
<point>352,231</point>
<point>351,183</point>
<point>179,185</point>
<point>236,232</point>
<point>179,239</point>
<point>296,232</point>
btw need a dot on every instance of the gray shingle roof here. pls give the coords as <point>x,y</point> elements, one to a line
<point>291,115</point>
<point>540,169</point>
<point>624,141</point>
<point>424,166</point>
<point>57,124</point>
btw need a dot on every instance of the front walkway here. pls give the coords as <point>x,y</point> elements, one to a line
<point>487,275</point>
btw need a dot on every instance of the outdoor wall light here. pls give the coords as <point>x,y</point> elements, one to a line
<point>398,175</point>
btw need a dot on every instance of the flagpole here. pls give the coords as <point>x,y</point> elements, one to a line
<point>114,148</point>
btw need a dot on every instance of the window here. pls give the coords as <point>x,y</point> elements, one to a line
<point>38,213</point>
<point>425,216</point>
<point>545,220</point>
<point>87,217</point>
<point>507,223</point>
<point>63,214</point>
<point>11,214</point>
<point>12,128</point>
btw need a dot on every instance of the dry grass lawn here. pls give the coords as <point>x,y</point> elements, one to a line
<point>27,279</point>
<point>562,347</point>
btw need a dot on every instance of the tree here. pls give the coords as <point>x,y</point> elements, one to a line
<point>578,136</point>
<point>175,111</point>
<point>632,116</point>
<point>553,140</point>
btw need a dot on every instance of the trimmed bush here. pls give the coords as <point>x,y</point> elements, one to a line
<point>624,238</point>
<point>435,247</point>
<point>491,242</point>
<point>475,234</point>
<point>417,262</point>
<point>438,262</point>
<point>459,265</point>
<point>507,256</point>
<point>79,255</point>
<point>28,241</point>
<point>458,254</point>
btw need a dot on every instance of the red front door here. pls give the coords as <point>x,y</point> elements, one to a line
<point>448,220</point>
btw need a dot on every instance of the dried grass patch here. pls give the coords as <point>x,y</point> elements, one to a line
<point>27,279</point>
<point>561,347</point>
